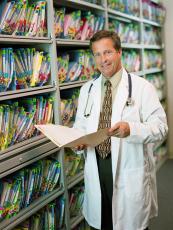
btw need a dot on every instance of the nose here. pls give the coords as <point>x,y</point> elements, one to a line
<point>103,58</point>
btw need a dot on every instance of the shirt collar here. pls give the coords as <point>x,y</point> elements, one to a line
<point>115,79</point>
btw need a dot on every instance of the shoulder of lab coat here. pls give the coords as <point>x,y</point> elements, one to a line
<point>153,124</point>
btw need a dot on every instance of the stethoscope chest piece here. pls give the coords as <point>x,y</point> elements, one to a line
<point>130,101</point>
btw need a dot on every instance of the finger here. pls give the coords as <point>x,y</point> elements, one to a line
<point>114,128</point>
<point>114,133</point>
<point>117,134</point>
<point>78,147</point>
<point>81,147</point>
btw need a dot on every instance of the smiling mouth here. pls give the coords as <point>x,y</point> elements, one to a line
<point>106,66</point>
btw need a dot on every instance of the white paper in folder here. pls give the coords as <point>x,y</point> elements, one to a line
<point>64,136</point>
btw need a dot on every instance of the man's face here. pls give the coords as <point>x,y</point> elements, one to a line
<point>107,58</point>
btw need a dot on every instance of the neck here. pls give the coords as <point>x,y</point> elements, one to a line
<point>108,78</point>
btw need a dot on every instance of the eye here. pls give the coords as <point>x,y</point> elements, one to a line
<point>96,55</point>
<point>108,52</point>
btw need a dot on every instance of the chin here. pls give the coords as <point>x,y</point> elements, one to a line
<point>107,75</point>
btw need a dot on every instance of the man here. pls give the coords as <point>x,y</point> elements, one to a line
<point>119,174</point>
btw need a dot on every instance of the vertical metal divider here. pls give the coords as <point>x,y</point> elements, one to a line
<point>163,50</point>
<point>57,105</point>
<point>105,4</point>
<point>51,49</point>
<point>165,74</point>
<point>164,56</point>
<point>141,38</point>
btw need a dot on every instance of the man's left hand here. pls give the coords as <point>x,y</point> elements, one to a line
<point>120,129</point>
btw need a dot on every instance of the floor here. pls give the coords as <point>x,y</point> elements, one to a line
<point>164,221</point>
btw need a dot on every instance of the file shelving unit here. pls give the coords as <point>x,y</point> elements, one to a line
<point>29,151</point>
<point>24,153</point>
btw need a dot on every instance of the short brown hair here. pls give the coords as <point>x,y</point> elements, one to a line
<point>106,34</point>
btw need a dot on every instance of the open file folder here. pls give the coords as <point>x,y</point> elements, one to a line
<point>64,136</point>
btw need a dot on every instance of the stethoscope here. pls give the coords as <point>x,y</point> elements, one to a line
<point>129,101</point>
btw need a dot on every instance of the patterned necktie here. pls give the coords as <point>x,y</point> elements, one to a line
<point>104,148</point>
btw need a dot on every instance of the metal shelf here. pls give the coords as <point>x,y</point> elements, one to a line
<point>25,153</point>
<point>80,4</point>
<point>10,39</point>
<point>155,1</point>
<point>131,46</point>
<point>131,17</point>
<point>70,85</point>
<point>26,92</point>
<point>151,22</point>
<point>30,210</point>
<point>75,179</point>
<point>119,18</point>
<point>70,42</point>
<point>152,70</point>
<point>23,145</point>
<point>156,47</point>
<point>76,220</point>
<point>139,73</point>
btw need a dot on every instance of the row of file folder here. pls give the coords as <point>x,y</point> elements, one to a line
<point>76,196</point>
<point>128,31</point>
<point>19,17</point>
<point>153,59</point>
<point>50,217</point>
<point>80,25</point>
<point>158,80</point>
<point>19,190</point>
<point>74,163</point>
<point>75,65</point>
<point>131,60</point>
<point>153,12</point>
<point>125,6</point>
<point>17,118</point>
<point>23,68</point>
<point>69,108</point>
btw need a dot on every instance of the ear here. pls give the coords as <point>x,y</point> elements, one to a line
<point>119,52</point>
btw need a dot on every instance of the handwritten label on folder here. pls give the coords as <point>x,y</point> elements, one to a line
<point>64,136</point>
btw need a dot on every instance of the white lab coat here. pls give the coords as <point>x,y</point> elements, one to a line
<point>134,194</point>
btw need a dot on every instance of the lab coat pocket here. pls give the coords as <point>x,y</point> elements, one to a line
<point>135,183</point>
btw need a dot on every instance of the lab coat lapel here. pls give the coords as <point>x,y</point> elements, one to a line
<point>120,99</point>
<point>96,102</point>
<point>118,106</point>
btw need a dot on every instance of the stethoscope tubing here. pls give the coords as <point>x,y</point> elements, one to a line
<point>128,102</point>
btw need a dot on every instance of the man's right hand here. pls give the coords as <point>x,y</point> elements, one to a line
<point>80,147</point>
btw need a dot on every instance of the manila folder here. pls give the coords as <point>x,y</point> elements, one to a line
<point>64,136</point>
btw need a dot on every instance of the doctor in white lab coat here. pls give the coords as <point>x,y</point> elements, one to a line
<point>134,130</point>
